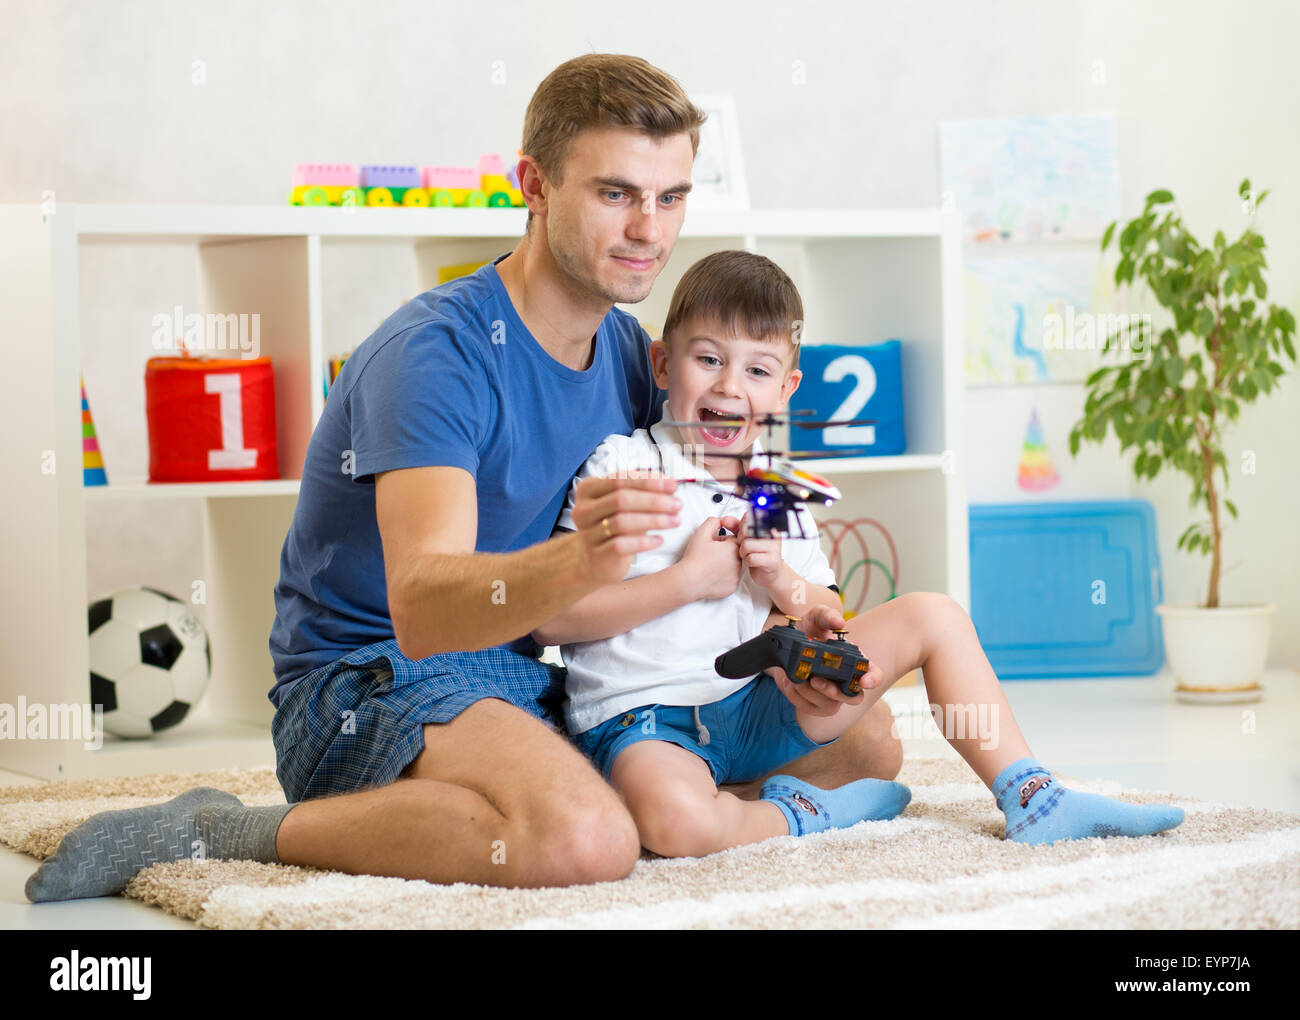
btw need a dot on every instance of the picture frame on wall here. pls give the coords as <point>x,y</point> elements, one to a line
<point>719,173</point>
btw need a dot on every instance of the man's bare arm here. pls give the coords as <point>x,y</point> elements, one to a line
<point>442,596</point>
<point>617,608</point>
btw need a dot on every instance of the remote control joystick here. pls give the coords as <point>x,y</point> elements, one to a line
<point>800,656</point>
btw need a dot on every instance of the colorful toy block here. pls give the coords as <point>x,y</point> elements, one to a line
<point>393,185</point>
<point>490,184</point>
<point>326,184</point>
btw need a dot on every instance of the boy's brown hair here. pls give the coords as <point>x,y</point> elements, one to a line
<point>742,292</point>
<point>599,90</point>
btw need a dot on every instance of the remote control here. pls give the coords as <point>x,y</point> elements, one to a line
<point>800,656</point>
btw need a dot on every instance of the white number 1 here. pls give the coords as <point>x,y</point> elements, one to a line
<point>232,456</point>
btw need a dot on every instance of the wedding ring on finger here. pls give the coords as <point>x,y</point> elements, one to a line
<point>604,523</point>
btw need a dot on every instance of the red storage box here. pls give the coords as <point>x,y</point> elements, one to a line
<point>211,419</point>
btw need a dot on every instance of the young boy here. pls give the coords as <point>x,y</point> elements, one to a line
<point>644,700</point>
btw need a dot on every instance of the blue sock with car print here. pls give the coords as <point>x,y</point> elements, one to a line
<point>1040,810</point>
<point>809,808</point>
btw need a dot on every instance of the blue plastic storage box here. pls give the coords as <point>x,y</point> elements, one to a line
<point>1066,589</point>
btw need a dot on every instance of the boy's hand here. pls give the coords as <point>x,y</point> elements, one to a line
<point>821,622</point>
<point>711,562</point>
<point>761,555</point>
<point>819,696</point>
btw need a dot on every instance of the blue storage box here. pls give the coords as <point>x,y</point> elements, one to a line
<point>851,381</point>
<point>1066,589</point>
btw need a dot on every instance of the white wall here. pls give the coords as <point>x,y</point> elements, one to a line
<point>98,104</point>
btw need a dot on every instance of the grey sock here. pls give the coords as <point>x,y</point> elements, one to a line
<point>102,854</point>
<point>233,831</point>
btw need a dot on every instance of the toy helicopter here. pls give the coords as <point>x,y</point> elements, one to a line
<point>777,491</point>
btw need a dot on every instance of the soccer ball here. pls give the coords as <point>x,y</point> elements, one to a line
<point>150,660</point>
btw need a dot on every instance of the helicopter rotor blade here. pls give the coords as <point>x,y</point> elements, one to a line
<point>726,422</point>
<point>771,455</point>
<point>707,483</point>
<point>764,414</point>
<point>739,420</point>
<point>825,454</point>
<point>828,424</point>
<point>770,418</point>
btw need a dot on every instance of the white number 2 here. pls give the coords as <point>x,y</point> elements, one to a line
<point>232,456</point>
<point>860,368</point>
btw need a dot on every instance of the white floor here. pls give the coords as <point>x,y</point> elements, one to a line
<point>1130,730</point>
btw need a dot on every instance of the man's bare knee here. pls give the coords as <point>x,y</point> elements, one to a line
<point>590,838</point>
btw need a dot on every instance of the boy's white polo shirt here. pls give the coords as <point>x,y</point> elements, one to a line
<point>669,660</point>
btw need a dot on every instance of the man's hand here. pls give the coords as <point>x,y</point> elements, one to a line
<point>612,515</point>
<point>711,562</point>
<point>819,696</point>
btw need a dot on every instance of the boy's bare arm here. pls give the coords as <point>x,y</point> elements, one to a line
<point>790,593</point>
<point>793,595</point>
<point>442,596</point>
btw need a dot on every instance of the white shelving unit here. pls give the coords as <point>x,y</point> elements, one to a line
<point>321,279</point>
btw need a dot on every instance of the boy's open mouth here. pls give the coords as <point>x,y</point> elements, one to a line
<point>718,435</point>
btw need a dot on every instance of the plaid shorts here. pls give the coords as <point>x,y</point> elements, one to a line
<point>358,722</point>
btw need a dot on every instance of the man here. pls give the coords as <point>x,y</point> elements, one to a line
<point>412,718</point>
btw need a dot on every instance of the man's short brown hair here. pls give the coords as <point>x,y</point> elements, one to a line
<point>742,292</point>
<point>599,90</point>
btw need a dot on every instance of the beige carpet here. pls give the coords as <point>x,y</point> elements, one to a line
<point>942,864</point>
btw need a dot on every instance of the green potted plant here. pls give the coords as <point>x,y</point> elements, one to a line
<point>1171,396</point>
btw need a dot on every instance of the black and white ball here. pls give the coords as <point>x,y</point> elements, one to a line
<point>150,660</point>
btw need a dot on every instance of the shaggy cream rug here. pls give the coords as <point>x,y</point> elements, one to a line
<point>941,864</point>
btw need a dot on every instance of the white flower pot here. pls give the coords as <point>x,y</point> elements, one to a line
<point>1216,655</point>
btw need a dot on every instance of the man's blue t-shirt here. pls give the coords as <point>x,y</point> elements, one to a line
<point>452,378</point>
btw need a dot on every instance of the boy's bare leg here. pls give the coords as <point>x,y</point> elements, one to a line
<point>932,631</point>
<point>678,810</point>
<point>496,798</point>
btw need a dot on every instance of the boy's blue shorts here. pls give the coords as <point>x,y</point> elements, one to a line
<point>359,721</point>
<point>750,733</point>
